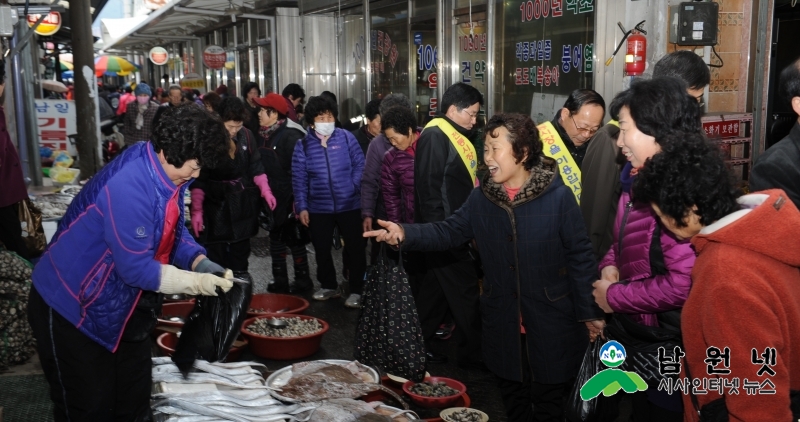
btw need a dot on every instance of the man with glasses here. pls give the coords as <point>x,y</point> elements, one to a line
<point>603,161</point>
<point>445,168</point>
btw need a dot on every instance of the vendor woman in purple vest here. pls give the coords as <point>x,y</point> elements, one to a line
<point>122,241</point>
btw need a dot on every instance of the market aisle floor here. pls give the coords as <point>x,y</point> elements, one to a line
<point>24,391</point>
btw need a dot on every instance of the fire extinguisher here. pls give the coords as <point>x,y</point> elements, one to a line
<point>637,52</point>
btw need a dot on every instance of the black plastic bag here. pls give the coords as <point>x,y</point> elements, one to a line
<point>389,333</point>
<point>580,410</point>
<point>212,326</point>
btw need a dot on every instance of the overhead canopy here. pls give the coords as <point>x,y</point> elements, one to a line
<point>178,20</point>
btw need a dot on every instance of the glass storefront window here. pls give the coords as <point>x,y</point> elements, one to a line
<point>388,42</point>
<point>426,54</point>
<point>265,74</point>
<point>352,68</point>
<point>242,34</point>
<point>544,51</point>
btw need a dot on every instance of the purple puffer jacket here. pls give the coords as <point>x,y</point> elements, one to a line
<point>644,295</point>
<point>397,184</point>
<point>371,180</point>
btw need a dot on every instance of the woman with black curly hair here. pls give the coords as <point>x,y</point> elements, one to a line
<point>94,299</point>
<point>647,271</point>
<point>326,179</point>
<point>538,268</point>
<point>226,201</point>
<point>745,297</point>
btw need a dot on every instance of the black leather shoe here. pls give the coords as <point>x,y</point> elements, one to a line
<point>278,287</point>
<point>435,358</point>
<point>300,286</point>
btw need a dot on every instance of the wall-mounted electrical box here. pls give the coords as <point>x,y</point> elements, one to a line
<point>694,23</point>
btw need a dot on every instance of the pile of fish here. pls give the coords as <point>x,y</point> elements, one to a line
<point>237,392</point>
<point>463,415</point>
<point>52,205</point>
<point>297,327</point>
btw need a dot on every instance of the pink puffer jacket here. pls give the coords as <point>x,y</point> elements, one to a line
<point>639,292</point>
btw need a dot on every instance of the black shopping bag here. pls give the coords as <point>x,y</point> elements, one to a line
<point>580,410</point>
<point>389,334</point>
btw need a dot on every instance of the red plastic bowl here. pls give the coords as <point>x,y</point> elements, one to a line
<point>168,341</point>
<point>283,348</point>
<point>436,402</point>
<point>175,309</point>
<point>272,302</point>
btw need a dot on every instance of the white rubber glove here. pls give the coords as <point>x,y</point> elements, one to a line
<point>176,281</point>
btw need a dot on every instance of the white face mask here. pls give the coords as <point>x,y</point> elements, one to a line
<point>324,129</point>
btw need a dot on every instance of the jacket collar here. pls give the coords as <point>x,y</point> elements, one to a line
<point>160,178</point>
<point>293,125</point>
<point>542,176</point>
<point>462,130</point>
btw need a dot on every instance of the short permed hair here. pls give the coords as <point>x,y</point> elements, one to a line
<point>373,109</point>
<point>317,106</point>
<point>686,66</point>
<point>295,90</point>
<point>462,96</point>
<point>394,100</point>
<point>213,99</point>
<point>660,107</point>
<point>232,109</point>
<point>690,172</point>
<point>399,119</point>
<point>248,87</point>
<point>188,132</point>
<point>522,134</point>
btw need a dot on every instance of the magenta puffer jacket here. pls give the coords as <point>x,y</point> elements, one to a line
<point>639,292</point>
<point>397,184</point>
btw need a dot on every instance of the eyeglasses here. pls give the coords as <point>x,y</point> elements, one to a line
<point>471,115</point>
<point>583,130</point>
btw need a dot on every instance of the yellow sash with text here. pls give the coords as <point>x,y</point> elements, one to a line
<point>553,146</point>
<point>464,147</point>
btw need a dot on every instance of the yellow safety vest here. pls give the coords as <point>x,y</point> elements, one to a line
<point>463,145</point>
<point>613,122</point>
<point>553,146</point>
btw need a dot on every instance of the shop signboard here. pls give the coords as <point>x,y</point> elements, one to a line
<point>49,26</point>
<point>193,81</point>
<point>159,56</point>
<point>214,57</point>
<point>548,52</point>
<point>56,120</point>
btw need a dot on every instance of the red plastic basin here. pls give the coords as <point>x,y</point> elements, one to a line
<point>272,302</point>
<point>436,402</point>
<point>283,348</point>
<point>168,341</point>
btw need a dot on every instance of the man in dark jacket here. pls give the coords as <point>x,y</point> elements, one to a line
<point>371,127</point>
<point>444,176</point>
<point>578,121</point>
<point>175,99</point>
<point>603,162</point>
<point>779,166</point>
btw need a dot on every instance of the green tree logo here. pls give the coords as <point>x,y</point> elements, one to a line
<point>610,381</point>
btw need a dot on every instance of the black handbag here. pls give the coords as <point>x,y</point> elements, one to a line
<point>389,333</point>
<point>581,410</point>
<point>642,342</point>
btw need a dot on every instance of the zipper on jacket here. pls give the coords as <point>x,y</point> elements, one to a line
<point>330,179</point>
<point>510,212</point>
<point>628,207</point>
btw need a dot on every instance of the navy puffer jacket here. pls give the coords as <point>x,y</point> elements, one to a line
<point>327,180</point>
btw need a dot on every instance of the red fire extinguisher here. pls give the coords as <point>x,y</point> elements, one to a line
<point>637,52</point>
